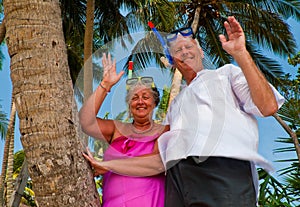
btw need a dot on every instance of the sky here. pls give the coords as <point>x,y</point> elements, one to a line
<point>269,128</point>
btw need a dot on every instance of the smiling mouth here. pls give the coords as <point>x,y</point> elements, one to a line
<point>186,59</point>
<point>143,108</point>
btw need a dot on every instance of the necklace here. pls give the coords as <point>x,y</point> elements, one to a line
<point>137,131</point>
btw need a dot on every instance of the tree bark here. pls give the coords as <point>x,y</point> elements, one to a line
<point>175,87</point>
<point>20,184</point>
<point>196,19</point>
<point>44,98</point>
<point>291,133</point>
<point>6,155</point>
<point>2,31</point>
<point>10,159</point>
<point>88,51</point>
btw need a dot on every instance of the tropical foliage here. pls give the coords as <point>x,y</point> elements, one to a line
<point>28,196</point>
<point>265,28</point>
<point>263,22</point>
<point>3,123</point>
<point>285,192</point>
<point>272,192</point>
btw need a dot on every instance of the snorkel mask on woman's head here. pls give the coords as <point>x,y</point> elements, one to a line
<point>147,81</point>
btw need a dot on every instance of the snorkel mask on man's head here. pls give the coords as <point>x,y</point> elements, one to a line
<point>185,32</point>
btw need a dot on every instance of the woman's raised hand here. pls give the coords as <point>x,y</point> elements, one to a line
<point>110,76</point>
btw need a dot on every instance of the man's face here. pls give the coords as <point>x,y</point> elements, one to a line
<point>187,54</point>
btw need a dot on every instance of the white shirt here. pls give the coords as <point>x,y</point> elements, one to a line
<point>214,116</point>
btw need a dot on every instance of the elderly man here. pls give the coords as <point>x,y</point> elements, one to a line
<point>211,148</point>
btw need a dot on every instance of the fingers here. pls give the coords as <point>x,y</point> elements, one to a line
<point>86,157</point>
<point>89,152</point>
<point>121,74</point>
<point>109,59</point>
<point>104,61</point>
<point>222,38</point>
<point>107,63</point>
<point>113,65</point>
<point>232,26</point>
<point>227,28</point>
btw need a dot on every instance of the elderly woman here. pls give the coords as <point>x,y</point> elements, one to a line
<point>138,138</point>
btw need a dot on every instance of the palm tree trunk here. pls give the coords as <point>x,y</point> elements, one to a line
<point>88,50</point>
<point>175,87</point>
<point>2,30</point>
<point>44,98</point>
<point>20,184</point>
<point>196,19</point>
<point>9,142</point>
<point>3,173</point>
<point>10,159</point>
<point>291,133</point>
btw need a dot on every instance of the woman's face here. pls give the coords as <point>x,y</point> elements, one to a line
<point>142,103</point>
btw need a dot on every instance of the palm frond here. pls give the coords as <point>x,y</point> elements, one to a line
<point>145,51</point>
<point>284,149</point>
<point>111,23</point>
<point>286,8</point>
<point>294,167</point>
<point>208,36</point>
<point>264,27</point>
<point>270,67</point>
<point>73,15</point>
<point>272,192</point>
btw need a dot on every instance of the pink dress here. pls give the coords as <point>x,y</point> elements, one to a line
<point>126,191</point>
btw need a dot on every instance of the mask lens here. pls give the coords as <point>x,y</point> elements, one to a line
<point>144,80</point>
<point>183,31</point>
<point>186,32</point>
<point>171,36</point>
<point>147,80</point>
<point>131,81</point>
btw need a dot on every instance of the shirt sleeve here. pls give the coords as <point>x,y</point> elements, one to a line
<point>242,92</point>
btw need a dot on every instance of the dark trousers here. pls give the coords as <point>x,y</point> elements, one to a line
<point>215,182</point>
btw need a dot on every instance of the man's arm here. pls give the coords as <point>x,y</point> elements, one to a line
<point>260,90</point>
<point>147,165</point>
<point>136,166</point>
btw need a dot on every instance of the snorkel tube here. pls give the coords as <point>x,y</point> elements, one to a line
<point>130,68</point>
<point>162,42</point>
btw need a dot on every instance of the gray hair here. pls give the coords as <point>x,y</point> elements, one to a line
<point>132,90</point>
<point>197,43</point>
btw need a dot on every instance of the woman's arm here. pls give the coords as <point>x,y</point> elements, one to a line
<point>90,124</point>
